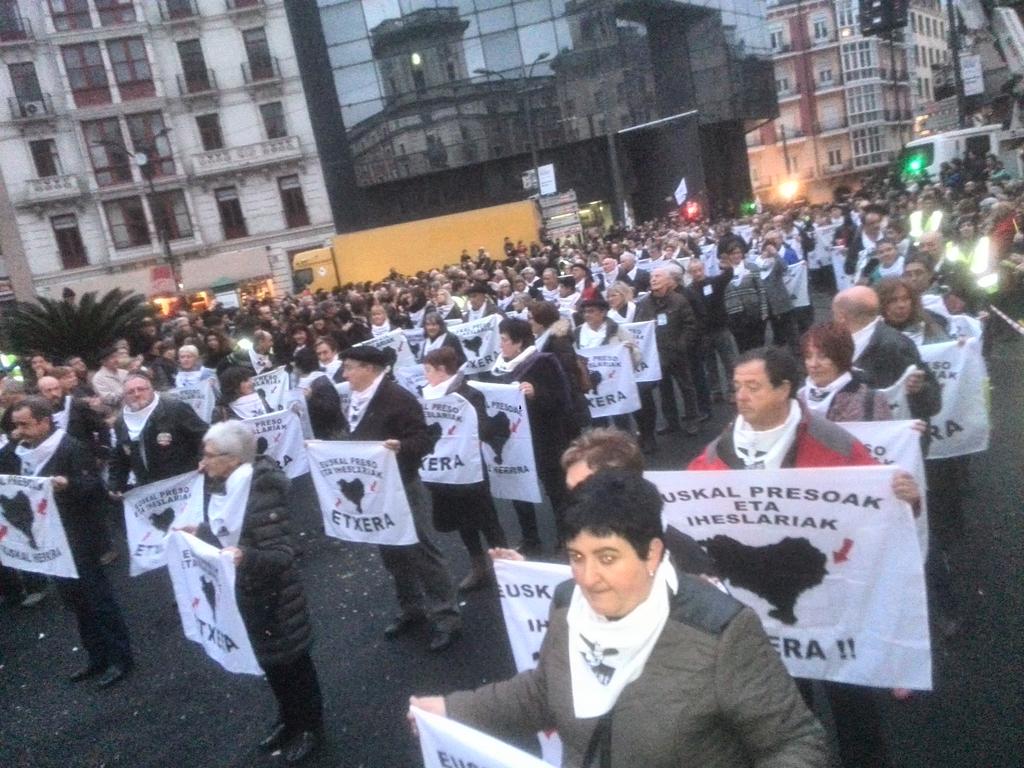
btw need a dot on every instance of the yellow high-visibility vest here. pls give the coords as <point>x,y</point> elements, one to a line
<point>918,226</point>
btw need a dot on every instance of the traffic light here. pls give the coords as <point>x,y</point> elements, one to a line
<point>882,17</point>
<point>913,165</point>
<point>748,208</point>
<point>691,210</point>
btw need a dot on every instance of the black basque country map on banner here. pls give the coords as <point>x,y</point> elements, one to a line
<point>828,558</point>
<point>32,537</point>
<point>153,511</point>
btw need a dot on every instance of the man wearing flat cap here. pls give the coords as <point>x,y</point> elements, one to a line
<point>382,410</point>
<point>481,301</point>
<point>108,381</point>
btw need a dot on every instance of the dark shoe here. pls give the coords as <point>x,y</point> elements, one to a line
<point>274,740</point>
<point>32,599</point>
<point>442,638</point>
<point>300,747</point>
<point>108,557</point>
<point>403,625</point>
<point>692,428</point>
<point>670,429</point>
<point>85,673</point>
<point>479,576</point>
<point>113,674</point>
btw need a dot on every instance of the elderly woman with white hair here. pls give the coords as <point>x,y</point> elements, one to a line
<point>191,371</point>
<point>246,514</point>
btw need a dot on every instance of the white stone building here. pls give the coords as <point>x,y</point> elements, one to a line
<point>139,134</point>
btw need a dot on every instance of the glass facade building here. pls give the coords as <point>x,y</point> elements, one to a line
<point>441,103</point>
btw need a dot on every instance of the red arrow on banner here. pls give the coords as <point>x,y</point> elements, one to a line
<point>41,509</point>
<point>3,532</point>
<point>843,553</point>
<point>373,488</point>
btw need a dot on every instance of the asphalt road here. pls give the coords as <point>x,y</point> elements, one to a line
<point>180,709</point>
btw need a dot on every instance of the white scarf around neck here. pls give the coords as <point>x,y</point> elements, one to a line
<point>591,338</point>
<point>332,367</point>
<point>429,344</point>
<point>227,510</point>
<point>35,458</point>
<point>436,391</point>
<point>862,338</point>
<point>135,421</point>
<point>630,308</point>
<point>819,399</point>
<point>503,367</point>
<point>380,330</point>
<point>604,655</point>
<point>766,449</point>
<point>260,362</point>
<point>358,402</point>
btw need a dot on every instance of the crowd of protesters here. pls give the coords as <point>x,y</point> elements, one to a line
<point>905,265</point>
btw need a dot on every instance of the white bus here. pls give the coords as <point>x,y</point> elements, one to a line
<point>924,156</point>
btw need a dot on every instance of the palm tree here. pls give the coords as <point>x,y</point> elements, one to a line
<point>60,329</point>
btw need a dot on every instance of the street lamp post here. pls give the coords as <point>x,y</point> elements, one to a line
<point>527,107</point>
<point>143,159</point>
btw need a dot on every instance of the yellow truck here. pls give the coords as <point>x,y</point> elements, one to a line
<point>407,248</point>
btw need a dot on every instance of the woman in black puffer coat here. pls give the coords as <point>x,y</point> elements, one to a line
<point>268,587</point>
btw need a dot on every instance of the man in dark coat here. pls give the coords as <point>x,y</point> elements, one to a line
<point>156,438</point>
<point>381,410</point>
<point>883,354</point>
<point>76,485</point>
<point>675,330</point>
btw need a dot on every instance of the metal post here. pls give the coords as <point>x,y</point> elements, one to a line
<point>785,146</point>
<point>531,138</point>
<point>895,83</point>
<point>954,52</point>
<point>618,192</point>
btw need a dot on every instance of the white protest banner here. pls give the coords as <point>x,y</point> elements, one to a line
<point>899,443</point>
<point>152,510</point>
<point>508,447</point>
<point>824,235</point>
<point>449,744</point>
<point>650,362</point>
<point>200,397</point>
<point>455,459</point>
<point>279,436</point>
<point>480,341</point>
<point>412,379</point>
<point>843,280</point>
<point>962,426</point>
<point>295,400</point>
<point>613,389</point>
<point>344,390</point>
<point>525,590</point>
<point>965,325</point>
<point>32,537</point>
<point>204,588</point>
<point>360,492</point>
<point>827,557</point>
<point>271,387</point>
<point>394,340</point>
<point>414,336</point>
<point>795,280</point>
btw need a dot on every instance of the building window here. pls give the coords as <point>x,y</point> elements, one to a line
<point>776,38</point>
<point>170,214</point>
<point>148,135</point>
<point>846,13</point>
<point>863,103</point>
<point>70,14</point>
<point>273,119</point>
<point>107,152</point>
<point>115,12</point>
<point>230,213</point>
<point>820,28</point>
<point>209,131</point>
<point>131,68</point>
<point>835,157</point>
<point>782,85</point>
<point>69,241</point>
<point>127,222</point>
<point>825,76</point>
<point>86,75</point>
<point>859,60</point>
<point>867,146</point>
<point>45,158</point>
<point>27,93</point>
<point>193,65</point>
<point>295,213</point>
<point>261,64</point>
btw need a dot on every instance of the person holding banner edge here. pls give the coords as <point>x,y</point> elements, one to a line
<point>641,664</point>
<point>37,449</point>
<point>771,431</point>
<point>246,515</point>
<point>381,410</point>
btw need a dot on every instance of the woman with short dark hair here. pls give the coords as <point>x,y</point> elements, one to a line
<point>468,507</point>
<point>901,308</point>
<point>833,389</point>
<point>437,336</point>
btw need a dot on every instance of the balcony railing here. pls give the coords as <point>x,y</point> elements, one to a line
<point>15,30</point>
<point>37,108</point>
<point>197,83</point>
<point>831,125</point>
<point>52,188</point>
<point>178,10</point>
<point>229,159</point>
<point>261,70</point>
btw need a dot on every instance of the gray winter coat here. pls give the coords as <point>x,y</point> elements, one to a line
<point>713,694</point>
